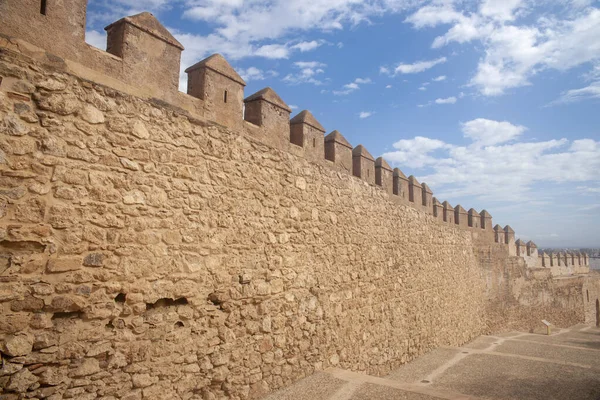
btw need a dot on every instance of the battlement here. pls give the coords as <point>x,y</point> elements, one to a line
<point>142,58</point>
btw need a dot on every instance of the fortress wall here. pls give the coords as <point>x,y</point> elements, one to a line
<point>156,244</point>
<point>591,298</point>
<point>519,297</point>
<point>145,252</point>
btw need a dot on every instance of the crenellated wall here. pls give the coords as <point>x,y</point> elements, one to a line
<point>161,244</point>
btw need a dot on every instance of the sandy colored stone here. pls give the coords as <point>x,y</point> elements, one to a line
<point>89,367</point>
<point>21,381</point>
<point>17,345</point>
<point>91,114</point>
<point>61,104</point>
<point>139,130</point>
<point>63,264</point>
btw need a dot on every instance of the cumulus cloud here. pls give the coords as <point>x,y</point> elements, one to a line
<point>307,46</point>
<point>494,166</point>
<point>352,86</point>
<point>439,78</point>
<point>365,114</point>
<point>251,74</point>
<point>514,50</point>
<point>307,72</point>
<point>486,132</point>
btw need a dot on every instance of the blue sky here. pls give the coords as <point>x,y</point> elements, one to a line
<point>494,103</point>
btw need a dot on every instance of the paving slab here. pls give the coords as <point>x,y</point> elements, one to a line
<point>589,338</point>
<point>418,369</point>
<point>481,343</point>
<point>370,391</point>
<point>588,357</point>
<point>497,377</point>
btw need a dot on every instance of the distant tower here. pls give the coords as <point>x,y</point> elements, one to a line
<point>222,89</point>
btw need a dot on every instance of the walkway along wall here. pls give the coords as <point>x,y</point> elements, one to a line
<point>148,251</point>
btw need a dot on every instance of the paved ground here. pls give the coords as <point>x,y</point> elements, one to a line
<point>520,366</point>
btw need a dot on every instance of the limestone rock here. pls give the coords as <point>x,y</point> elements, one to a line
<point>94,260</point>
<point>13,126</point>
<point>139,130</point>
<point>127,163</point>
<point>91,114</point>
<point>17,345</point>
<point>63,264</point>
<point>89,367</point>
<point>21,381</point>
<point>62,104</point>
<point>52,85</point>
<point>143,380</point>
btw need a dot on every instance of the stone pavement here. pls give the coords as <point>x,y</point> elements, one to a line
<point>522,366</point>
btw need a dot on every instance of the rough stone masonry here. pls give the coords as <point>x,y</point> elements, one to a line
<point>149,252</point>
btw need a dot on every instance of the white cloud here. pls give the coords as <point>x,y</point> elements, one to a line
<point>96,39</point>
<point>251,74</point>
<point>449,100</point>
<point>591,91</point>
<point>384,70</point>
<point>423,88</point>
<point>364,114</point>
<point>388,86</point>
<point>498,170</point>
<point>439,78</point>
<point>309,64</point>
<point>418,66</point>
<point>514,52</point>
<point>274,51</point>
<point>307,46</point>
<point>292,106</point>
<point>486,132</point>
<point>307,72</point>
<point>352,86</point>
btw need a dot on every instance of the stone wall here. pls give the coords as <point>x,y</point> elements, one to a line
<point>591,298</point>
<point>519,297</point>
<point>149,254</point>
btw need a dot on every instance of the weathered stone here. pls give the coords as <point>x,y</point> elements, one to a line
<point>91,114</point>
<point>134,197</point>
<point>52,85</point>
<point>139,130</point>
<point>24,87</point>
<point>142,380</point>
<point>29,303</point>
<point>12,125</point>
<point>94,260</point>
<point>63,264</point>
<point>17,345</point>
<point>22,381</point>
<point>89,366</point>
<point>62,104</point>
<point>132,165</point>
